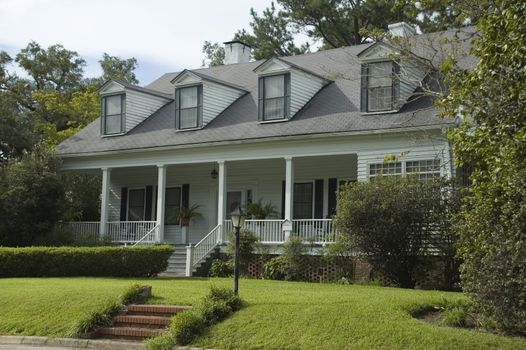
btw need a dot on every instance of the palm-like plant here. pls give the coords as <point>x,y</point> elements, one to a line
<point>189,214</point>
<point>260,211</point>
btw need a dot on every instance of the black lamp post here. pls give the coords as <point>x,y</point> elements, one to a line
<point>238,219</point>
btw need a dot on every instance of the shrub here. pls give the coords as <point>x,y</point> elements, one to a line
<point>217,305</point>
<point>295,259</point>
<point>84,261</point>
<point>221,268</point>
<point>274,269</point>
<point>247,245</point>
<point>391,222</point>
<point>339,254</point>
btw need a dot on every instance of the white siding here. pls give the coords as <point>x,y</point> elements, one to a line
<point>216,98</point>
<point>411,76</point>
<point>140,106</point>
<point>303,87</point>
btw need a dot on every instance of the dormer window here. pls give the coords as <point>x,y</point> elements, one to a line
<point>380,86</point>
<point>189,107</point>
<point>113,113</point>
<point>274,97</point>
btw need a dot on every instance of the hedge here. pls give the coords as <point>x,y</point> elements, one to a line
<point>84,261</point>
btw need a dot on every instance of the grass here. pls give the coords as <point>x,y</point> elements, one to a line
<point>278,315</point>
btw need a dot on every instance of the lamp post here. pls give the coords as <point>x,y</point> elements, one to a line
<point>238,219</point>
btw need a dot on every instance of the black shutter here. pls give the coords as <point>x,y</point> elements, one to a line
<point>185,196</point>
<point>396,86</point>
<point>333,187</point>
<point>124,203</point>
<point>200,106</point>
<point>148,204</point>
<point>102,116</point>
<point>283,200</point>
<point>261,98</point>
<point>318,199</point>
<point>286,100</point>
<point>123,113</point>
<point>177,110</point>
<point>363,94</point>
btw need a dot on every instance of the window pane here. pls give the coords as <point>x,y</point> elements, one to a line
<point>426,169</point>
<point>274,108</point>
<point>188,118</point>
<point>303,195</point>
<point>112,124</point>
<point>380,98</point>
<point>380,74</point>
<point>189,97</point>
<point>389,168</point>
<point>172,206</point>
<point>113,104</point>
<point>274,86</point>
<point>136,205</point>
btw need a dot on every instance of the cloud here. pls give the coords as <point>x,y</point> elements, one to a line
<point>159,33</point>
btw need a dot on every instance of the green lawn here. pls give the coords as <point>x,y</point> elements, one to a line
<point>279,315</point>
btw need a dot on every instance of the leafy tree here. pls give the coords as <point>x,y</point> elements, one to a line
<point>114,67</point>
<point>31,198</point>
<point>492,140</point>
<point>391,221</point>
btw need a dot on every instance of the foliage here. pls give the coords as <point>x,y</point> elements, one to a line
<point>275,268</point>
<point>296,260</point>
<point>84,261</point>
<point>114,67</point>
<point>391,221</point>
<point>31,197</point>
<point>247,244</point>
<point>221,268</point>
<point>214,54</point>
<point>186,326</point>
<point>492,140</point>
<point>339,254</point>
<point>104,315</point>
<point>191,213</point>
<point>260,211</point>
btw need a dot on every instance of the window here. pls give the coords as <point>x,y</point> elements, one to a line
<point>380,88</point>
<point>233,200</point>
<point>274,97</point>
<point>303,196</point>
<point>136,205</point>
<point>387,168</point>
<point>113,114</point>
<point>425,169</point>
<point>172,206</point>
<point>189,102</point>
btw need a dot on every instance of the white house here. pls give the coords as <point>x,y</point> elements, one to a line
<point>285,130</point>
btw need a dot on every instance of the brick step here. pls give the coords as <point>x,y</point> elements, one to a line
<point>156,310</point>
<point>134,333</point>
<point>141,320</point>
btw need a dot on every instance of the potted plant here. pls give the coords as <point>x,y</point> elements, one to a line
<point>260,211</point>
<point>187,214</point>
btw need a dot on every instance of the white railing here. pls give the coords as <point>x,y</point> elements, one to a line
<point>268,231</point>
<point>205,246</point>
<point>129,231</point>
<point>149,238</point>
<point>84,230</point>
<point>318,231</point>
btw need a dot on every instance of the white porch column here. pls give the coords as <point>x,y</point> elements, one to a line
<point>104,200</point>
<point>161,190</point>
<point>289,193</point>
<point>221,197</point>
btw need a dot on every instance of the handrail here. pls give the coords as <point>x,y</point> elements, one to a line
<point>146,235</point>
<point>205,245</point>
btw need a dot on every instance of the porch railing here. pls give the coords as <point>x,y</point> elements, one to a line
<point>151,237</point>
<point>199,251</point>
<point>319,231</point>
<point>268,231</point>
<point>117,231</point>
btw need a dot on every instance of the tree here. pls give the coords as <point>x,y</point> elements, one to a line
<point>114,67</point>
<point>31,198</point>
<point>391,221</point>
<point>492,140</point>
<point>214,54</point>
<point>271,35</point>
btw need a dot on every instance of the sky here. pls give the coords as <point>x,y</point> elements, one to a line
<point>164,36</point>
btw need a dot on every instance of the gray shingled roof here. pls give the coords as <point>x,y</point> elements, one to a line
<point>334,109</point>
